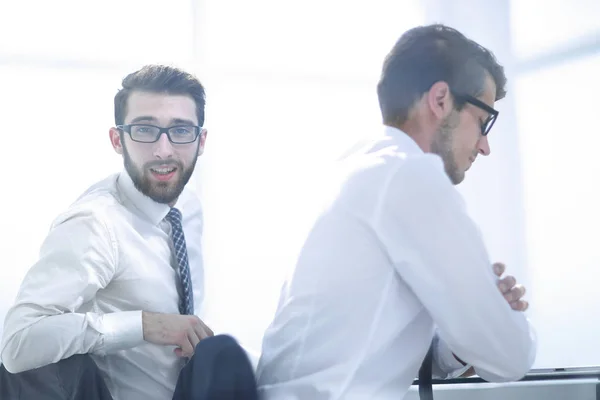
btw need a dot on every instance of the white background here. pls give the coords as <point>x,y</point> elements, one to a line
<point>289,86</point>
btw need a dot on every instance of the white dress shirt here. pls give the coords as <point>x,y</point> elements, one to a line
<point>106,259</point>
<point>392,257</point>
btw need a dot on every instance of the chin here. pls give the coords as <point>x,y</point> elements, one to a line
<point>163,198</point>
<point>457,177</point>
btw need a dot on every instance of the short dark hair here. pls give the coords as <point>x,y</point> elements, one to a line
<point>428,54</point>
<point>160,79</point>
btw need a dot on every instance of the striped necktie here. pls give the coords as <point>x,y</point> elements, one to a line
<point>186,300</point>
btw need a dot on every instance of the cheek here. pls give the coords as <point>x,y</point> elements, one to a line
<point>466,141</point>
<point>137,156</point>
<point>469,127</point>
<point>189,155</point>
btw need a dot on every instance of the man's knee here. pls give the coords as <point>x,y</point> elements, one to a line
<point>218,343</point>
<point>219,348</point>
<point>220,368</point>
<point>78,365</point>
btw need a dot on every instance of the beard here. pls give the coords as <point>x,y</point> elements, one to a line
<point>442,145</point>
<point>160,192</point>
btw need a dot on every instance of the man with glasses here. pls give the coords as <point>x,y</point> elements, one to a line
<point>393,262</point>
<point>110,309</point>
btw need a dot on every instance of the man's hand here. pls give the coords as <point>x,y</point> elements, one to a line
<point>183,331</point>
<point>512,291</point>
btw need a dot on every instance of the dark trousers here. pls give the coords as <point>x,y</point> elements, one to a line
<point>219,369</point>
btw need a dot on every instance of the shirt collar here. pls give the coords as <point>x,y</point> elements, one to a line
<point>152,210</point>
<point>408,143</point>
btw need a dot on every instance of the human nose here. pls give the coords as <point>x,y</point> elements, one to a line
<point>483,146</point>
<point>163,148</point>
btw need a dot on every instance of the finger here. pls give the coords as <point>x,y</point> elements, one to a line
<point>506,284</point>
<point>208,331</point>
<point>199,329</point>
<point>193,336</point>
<point>515,293</point>
<point>520,305</point>
<point>203,331</point>
<point>179,353</point>
<point>499,268</point>
<point>187,350</point>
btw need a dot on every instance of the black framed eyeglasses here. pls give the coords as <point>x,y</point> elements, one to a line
<point>145,133</point>
<point>486,125</point>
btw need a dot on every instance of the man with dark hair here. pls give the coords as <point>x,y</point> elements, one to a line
<point>110,308</point>
<point>465,71</point>
<point>393,262</point>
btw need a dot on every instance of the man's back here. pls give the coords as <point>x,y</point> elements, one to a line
<point>393,256</point>
<point>347,325</point>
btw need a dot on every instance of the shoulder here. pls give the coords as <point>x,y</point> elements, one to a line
<point>388,167</point>
<point>85,231</point>
<point>420,181</point>
<point>418,169</point>
<point>390,180</point>
<point>97,206</point>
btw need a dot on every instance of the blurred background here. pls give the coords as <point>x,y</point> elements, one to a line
<point>291,85</point>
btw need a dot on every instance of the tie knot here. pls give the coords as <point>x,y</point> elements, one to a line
<point>174,216</point>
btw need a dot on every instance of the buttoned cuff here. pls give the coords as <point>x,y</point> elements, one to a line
<point>121,330</point>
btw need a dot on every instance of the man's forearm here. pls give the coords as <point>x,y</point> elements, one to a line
<point>30,343</point>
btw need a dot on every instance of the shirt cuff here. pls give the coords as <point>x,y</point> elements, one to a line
<point>446,361</point>
<point>122,330</point>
